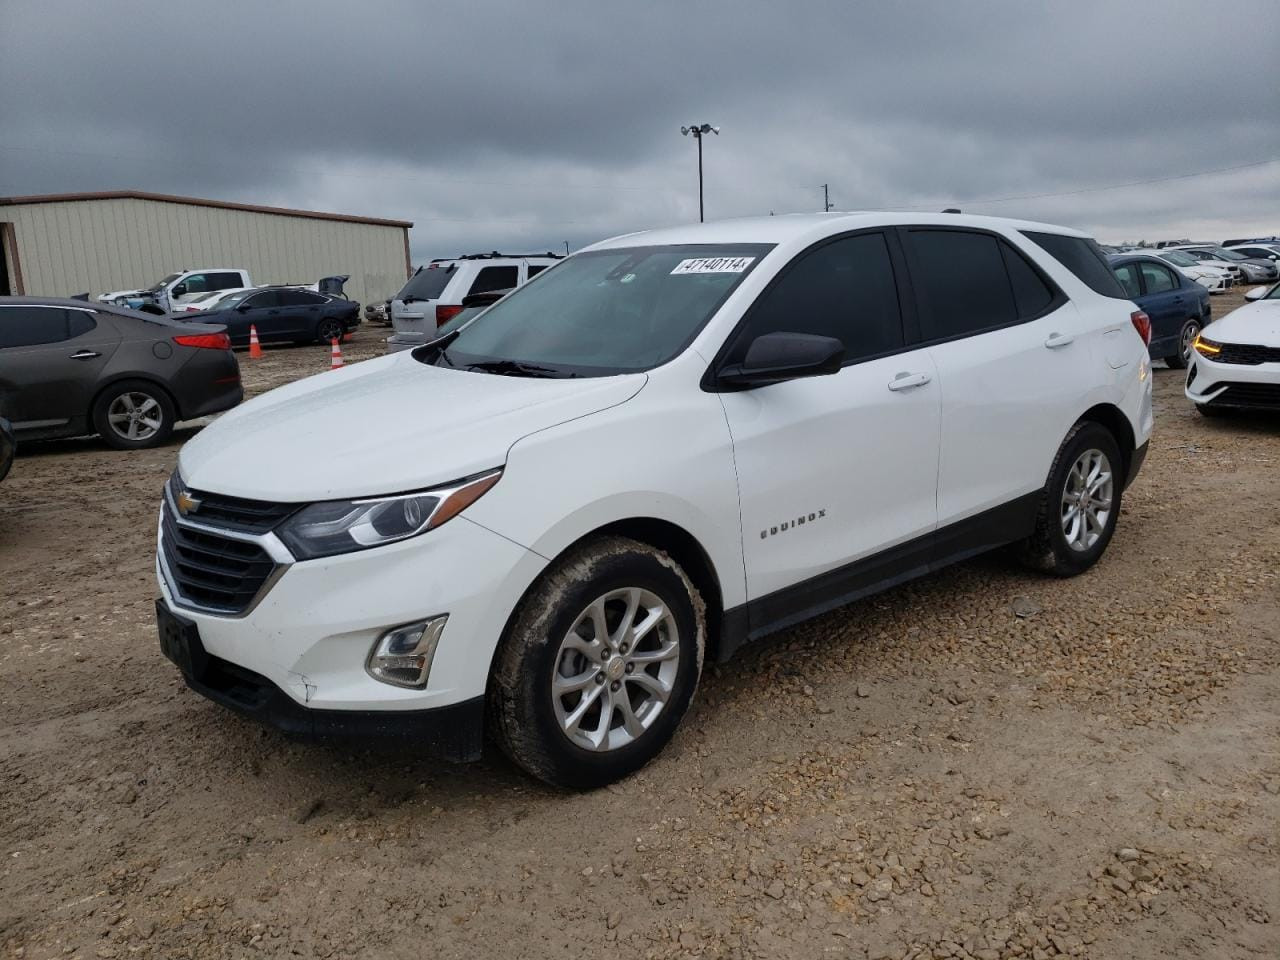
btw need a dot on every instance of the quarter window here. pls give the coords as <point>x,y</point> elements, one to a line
<point>1127,274</point>
<point>962,283</point>
<point>1157,278</point>
<point>843,289</point>
<point>495,278</point>
<point>535,269</point>
<point>1032,294</point>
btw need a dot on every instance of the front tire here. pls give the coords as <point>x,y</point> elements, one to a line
<point>328,330</point>
<point>599,665</point>
<point>1080,503</point>
<point>1186,337</point>
<point>133,415</point>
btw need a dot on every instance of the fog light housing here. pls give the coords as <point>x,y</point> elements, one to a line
<point>402,656</point>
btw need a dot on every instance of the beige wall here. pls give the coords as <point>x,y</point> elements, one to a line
<point>102,245</point>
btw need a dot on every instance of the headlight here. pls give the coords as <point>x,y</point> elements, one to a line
<point>343,526</point>
<point>1206,347</point>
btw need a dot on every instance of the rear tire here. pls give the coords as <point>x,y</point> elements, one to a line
<point>1186,336</point>
<point>1080,503</point>
<point>599,664</point>
<point>133,415</point>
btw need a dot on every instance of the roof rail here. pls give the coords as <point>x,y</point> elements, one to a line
<point>495,255</point>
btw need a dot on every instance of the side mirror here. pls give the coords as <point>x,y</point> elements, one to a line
<point>242,307</point>
<point>1257,293</point>
<point>179,291</point>
<point>776,357</point>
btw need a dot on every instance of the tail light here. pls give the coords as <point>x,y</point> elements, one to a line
<point>445,314</point>
<point>210,341</point>
<point>1142,323</point>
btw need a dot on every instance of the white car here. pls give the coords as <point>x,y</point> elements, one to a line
<point>1214,279</point>
<point>1237,363</point>
<point>671,445</point>
<point>199,302</point>
<point>1257,251</point>
<point>1244,269</point>
<point>435,293</point>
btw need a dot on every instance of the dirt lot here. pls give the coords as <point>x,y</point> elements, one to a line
<point>984,764</point>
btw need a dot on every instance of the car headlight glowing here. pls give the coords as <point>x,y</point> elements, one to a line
<point>342,526</point>
<point>1206,347</point>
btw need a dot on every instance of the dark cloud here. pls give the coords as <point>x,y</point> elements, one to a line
<point>502,124</point>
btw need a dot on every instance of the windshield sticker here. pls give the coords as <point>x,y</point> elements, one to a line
<point>713,265</point>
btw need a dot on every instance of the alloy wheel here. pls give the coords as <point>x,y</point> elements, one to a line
<point>1189,333</point>
<point>616,669</point>
<point>1087,498</point>
<point>135,416</point>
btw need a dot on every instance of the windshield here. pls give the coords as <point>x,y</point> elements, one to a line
<point>230,300</point>
<point>1223,254</point>
<point>1273,293</point>
<point>1180,259</point>
<point>165,282</point>
<point>428,283</point>
<point>607,311</point>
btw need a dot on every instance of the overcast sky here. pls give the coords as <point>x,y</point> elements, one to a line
<point>524,124</point>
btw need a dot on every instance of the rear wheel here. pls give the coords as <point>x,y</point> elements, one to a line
<point>1186,337</point>
<point>1080,503</point>
<point>599,666</point>
<point>134,414</point>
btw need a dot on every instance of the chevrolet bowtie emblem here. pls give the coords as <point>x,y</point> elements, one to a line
<point>187,503</point>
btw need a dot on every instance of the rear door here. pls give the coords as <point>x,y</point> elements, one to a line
<point>1165,302</point>
<point>51,359</point>
<point>1011,365</point>
<point>299,313</point>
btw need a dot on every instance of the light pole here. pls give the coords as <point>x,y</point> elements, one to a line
<point>698,129</point>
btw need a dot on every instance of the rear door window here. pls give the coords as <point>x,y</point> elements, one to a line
<point>961,281</point>
<point>1083,258</point>
<point>298,298</point>
<point>1158,279</point>
<point>495,278</point>
<point>33,326</point>
<point>843,289</point>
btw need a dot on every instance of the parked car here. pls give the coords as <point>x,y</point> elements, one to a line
<point>1257,251</point>
<point>378,313</point>
<point>434,293</point>
<point>1238,366</point>
<point>201,302</point>
<point>1214,279</point>
<point>472,306</point>
<point>672,444</point>
<point>1251,271</point>
<point>8,447</point>
<point>68,368</point>
<point>165,293</point>
<point>1177,305</point>
<point>1239,240</point>
<point>281,315</point>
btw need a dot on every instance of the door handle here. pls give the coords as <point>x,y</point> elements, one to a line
<point>1057,340</point>
<point>908,381</point>
<point>84,355</point>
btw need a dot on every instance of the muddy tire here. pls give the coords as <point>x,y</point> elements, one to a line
<point>1080,503</point>
<point>599,665</point>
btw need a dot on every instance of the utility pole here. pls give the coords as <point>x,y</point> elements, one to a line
<point>698,130</point>
<point>826,199</point>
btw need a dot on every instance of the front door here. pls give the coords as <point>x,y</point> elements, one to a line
<point>1166,303</point>
<point>834,472</point>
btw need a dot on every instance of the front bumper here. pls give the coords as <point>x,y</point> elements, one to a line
<point>1239,385</point>
<point>309,632</point>
<point>453,732</point>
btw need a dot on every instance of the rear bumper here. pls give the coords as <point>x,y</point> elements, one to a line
<point>454,732</point>
<point>207,383</point>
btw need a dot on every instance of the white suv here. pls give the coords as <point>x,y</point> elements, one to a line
<point>671,445</point>
<point>435,293</point>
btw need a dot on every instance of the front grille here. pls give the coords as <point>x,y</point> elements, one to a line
<point>211,571</point>
<point>1265,395</point>
<point>236,513</point>
<point>1247,353</point>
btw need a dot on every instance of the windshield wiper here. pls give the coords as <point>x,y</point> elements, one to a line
<point>516,368</point>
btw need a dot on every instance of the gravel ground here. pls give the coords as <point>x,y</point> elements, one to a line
<point>982,764</point>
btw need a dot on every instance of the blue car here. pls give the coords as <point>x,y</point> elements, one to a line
<point>1177,305</point>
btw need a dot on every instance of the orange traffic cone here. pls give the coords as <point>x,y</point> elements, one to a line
<point>335,354</point>
<point>255,348</point>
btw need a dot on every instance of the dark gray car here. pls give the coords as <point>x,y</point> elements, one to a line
<point>69,368</point>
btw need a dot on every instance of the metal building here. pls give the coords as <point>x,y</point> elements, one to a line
<point>70,243</point>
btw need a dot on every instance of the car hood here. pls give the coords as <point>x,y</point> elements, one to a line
<point>1254,323</point>
<point>383,426</point>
